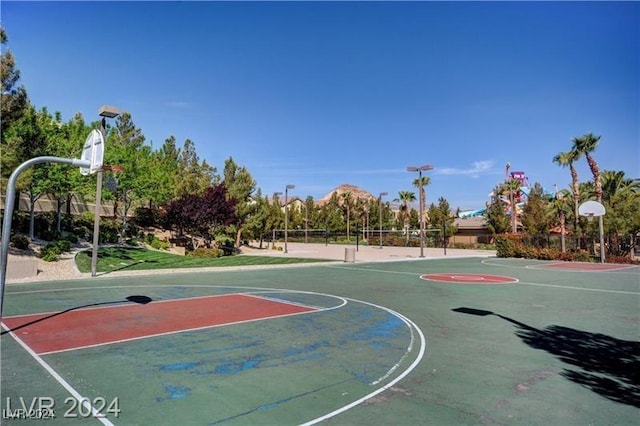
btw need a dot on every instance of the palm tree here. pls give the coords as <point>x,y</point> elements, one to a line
<point>420,183</point>
<point>346,200</point>
<point>557,208</point>
<point>615,185</point>
<point>565,159</point>
<point>586,145</point>
<point>406,197</point>
<point>513,186</point>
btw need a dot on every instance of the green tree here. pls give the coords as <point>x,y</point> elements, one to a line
<point>127,150</point>
<point>240,187</point>
<point>558,209</point>
<point>568,159</point>
<point>421,183</point>
<point>405,197</point>
<point>497,220</point>
<point>13,98</point>
<point>194,176</point>
<point>513,187</point>
<point>347,201</point>
<point>442,217</point>
<point>258,223</point>
<point>534,215</point>
<point>586,145</point>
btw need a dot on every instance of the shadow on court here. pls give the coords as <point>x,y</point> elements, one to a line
<point>608,366</point>
<point>142,300</point>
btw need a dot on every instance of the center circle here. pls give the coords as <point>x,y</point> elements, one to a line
<point>462,278</point>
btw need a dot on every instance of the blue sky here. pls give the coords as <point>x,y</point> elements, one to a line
<point>318,94</point>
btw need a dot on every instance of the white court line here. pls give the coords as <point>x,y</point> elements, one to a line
<point>423,345</point>
<point>289,302</point>
<point>186,330</point>
<point>372,270</point>
<point>600,290</point>
<point>518,282</point>
<point>82,400</point>
<point>412,326</point>
<point>539,266</point>
<point>119,304</point>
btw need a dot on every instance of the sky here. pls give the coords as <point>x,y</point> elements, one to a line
<point>318,94</point>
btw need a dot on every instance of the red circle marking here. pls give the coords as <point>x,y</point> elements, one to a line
<point>469,278</point>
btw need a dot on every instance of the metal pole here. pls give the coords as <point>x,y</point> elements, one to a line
<point>306,222</point>
<point>8,209</point>
<point>380,224</point>
<point>601,224</point>
<point>444,235</point>
<point>286,214</point>
<point>96,216</point>
<point>380,211</point>
<point>421,216</point>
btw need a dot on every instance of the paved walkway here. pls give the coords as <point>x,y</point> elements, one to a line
<point>364,253</point>
<point>65,269</point>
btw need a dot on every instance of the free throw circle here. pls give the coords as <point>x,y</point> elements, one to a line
<point>463,278</point>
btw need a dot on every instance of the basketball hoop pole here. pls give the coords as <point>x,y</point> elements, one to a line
<point>104,112</point>
<point>591,209</point>
<point>8,209</point>
<point>601,226</point>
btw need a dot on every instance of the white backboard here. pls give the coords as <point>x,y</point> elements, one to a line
<point>93,151</point>
<point>591,209</point>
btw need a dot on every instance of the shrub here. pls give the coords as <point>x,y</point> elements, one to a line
<point>72,238</point>
<point>20,241</point>
<point>206,253</point>
<point>49,256</point>
<point>49,235</point>
<point>507,245</point>
<point>582,256</point>
<point>622,259</point>
<point>63,245</point>
<point>159,244</point>
<point>50,252</point>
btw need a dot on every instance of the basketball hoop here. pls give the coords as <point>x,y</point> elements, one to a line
<point>591,209</point>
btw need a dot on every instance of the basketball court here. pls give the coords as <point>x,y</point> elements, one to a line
<point>421,341</point>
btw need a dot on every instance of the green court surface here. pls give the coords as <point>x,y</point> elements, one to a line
<point>429,342</point>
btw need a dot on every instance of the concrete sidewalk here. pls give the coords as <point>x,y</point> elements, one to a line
<point>362,253</point>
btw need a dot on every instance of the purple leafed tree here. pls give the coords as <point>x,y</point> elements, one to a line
<point>201,215</point>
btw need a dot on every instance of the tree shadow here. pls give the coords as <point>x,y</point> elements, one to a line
<point>142,300</point>
<point>607,366</point>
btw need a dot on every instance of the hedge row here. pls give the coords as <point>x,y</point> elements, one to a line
<point>512,245</point>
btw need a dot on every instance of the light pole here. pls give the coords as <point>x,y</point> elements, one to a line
<point>105,111</point>
<point>512,201</point>
<point>286,214</point>
<point>421,169</point>
<point>273,236</point>
<point>382,194</point>
<point>306,222</point>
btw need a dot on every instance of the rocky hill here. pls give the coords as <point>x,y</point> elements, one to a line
<point>356,192</point>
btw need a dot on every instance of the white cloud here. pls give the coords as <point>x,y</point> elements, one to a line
<point>478,168</point>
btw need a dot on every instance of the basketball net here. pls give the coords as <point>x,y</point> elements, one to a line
<point>589,217</point>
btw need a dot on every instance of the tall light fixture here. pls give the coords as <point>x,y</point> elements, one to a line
<point>273,233</point>
<point>286,214</point>
<point>382,194</point>
<point>421,169</point>
<point>105,111</point>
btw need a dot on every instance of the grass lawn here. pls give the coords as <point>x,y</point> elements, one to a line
<point>136,259</point>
